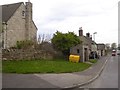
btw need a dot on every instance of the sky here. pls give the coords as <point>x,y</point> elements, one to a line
<point>99,16</point>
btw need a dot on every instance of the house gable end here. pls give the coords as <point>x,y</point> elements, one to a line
<point>8,10</point>
<point>34,25</point>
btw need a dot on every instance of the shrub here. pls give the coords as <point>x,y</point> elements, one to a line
<point>24,44</point>
<point>93,60</point>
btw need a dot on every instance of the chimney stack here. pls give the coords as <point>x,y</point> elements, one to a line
<point>88,35</point>
<point>28,19</point>
<point>91,37</point>
<point>80,31</point>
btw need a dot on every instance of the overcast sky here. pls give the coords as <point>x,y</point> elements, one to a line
<point>99,16</point>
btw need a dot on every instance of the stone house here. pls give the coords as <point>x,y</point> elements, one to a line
<point>17,24</point>
<point>87,40</point>
<point>101,49</point>
<point>84,49</point>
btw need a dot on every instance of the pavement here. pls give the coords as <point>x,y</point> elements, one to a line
<point>63,80</point>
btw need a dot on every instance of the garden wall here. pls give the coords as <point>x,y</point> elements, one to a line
<point>20,54</point>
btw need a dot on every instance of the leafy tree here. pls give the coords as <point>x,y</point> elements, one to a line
<point>108,46</point>
<point>119,46</point>
<point>113,46</point>
<point>64,41</point>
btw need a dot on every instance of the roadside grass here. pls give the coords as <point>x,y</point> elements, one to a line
<point>42,66</point>
<point>93,60</point>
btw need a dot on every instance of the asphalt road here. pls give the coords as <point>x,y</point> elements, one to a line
<point>109,76</point>
<point>24,81</point>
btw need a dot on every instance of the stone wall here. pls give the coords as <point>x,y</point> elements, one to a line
<point>20,54</point>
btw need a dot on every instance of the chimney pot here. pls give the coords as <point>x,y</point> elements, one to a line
<point>80,31</point>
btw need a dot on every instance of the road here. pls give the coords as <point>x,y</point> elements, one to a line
<point>109,76</point>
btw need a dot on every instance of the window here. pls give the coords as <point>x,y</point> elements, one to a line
<point>2,43</point>
<point>78,51</point>
<point>23,13</point>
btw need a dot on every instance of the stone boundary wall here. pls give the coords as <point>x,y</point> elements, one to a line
<point>20,54</point>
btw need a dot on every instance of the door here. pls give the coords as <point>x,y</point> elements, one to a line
<point>85,54</point>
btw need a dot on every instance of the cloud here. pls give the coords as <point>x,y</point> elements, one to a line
<point>69,15</point>
<point>66,10</point>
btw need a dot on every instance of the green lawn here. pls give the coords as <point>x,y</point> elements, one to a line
<point>93,60</point>
<point>42,66</point>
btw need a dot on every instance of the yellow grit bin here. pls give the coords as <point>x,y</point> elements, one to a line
<point>74,58</point>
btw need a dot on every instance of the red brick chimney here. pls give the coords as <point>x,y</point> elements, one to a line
<point>80,31</point>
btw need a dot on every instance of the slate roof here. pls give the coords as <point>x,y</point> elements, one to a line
<point>86,41</point>
<point>8,10</point>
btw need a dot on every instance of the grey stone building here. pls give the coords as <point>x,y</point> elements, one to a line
<point>17,24</point>
<point>84,49</point>
<point>101,49</point>
<point>87,40</point>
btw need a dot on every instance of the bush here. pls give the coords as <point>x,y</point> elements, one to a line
<point>93,60</point>
<point>24,44</point>
<point>64,41</point>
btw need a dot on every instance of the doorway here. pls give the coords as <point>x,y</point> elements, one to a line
<point>85,54</point>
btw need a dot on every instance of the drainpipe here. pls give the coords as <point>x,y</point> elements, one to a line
<point>4,35</point>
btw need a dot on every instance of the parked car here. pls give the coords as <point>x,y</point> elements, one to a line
<point>113,52</point>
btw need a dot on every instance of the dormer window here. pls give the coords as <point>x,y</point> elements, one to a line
<point>23,13</point>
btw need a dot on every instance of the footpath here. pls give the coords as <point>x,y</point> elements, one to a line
<point>64,80</point>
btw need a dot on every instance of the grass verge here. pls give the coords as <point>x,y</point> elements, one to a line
<point>42,66</point>
<point>93,60</point>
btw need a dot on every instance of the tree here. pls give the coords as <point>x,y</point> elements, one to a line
<point>64,42</point>
<point>44,38</point>
<point>107,46</point>
<point>25,44</point>
<point>119,46</point>
<point>113,46</point>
